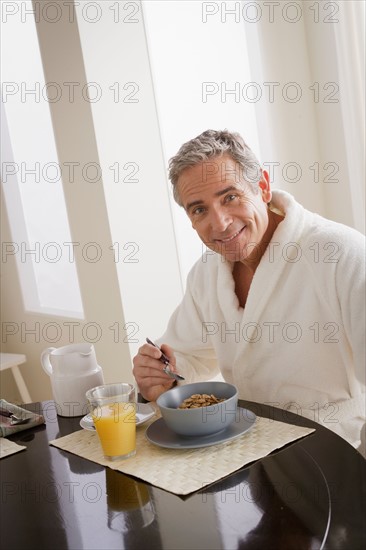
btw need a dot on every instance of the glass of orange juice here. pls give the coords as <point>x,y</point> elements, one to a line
<point>113,408</point>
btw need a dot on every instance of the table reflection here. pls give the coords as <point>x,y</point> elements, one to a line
<point>129,502</point>
<point>262,506</point>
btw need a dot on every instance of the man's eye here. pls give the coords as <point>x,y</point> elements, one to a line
<point>230,198</point>
<point>197,211</point>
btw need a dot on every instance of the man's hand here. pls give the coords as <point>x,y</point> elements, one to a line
<point>148,371</point>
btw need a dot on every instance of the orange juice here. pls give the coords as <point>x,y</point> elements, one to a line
<point>116,427</point>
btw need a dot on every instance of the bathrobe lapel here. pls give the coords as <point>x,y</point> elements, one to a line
<point>269,272</point>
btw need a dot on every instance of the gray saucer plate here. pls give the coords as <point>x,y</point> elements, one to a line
<point>144,413</point>
<point>159,434</point>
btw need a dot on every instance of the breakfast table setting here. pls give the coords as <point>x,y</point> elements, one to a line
<point>183,464</point>
<point>99,467</point>
<point>286,479</point>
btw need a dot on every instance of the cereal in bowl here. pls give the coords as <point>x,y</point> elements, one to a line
<point>200,400</point>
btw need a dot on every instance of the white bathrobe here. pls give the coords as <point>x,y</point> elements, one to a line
<point>299,343</point>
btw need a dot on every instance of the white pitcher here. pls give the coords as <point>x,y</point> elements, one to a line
<point>73,370</point>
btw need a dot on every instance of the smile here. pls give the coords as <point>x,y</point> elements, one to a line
<point>229,239</point>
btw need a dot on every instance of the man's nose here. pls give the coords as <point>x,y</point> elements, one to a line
<point>220,220</point>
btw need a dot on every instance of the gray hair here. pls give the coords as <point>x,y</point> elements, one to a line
<point>214,143</point>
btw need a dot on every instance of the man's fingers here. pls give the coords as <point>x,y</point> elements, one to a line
<point>147,350</point>
<point>157,375</point>
<point>148,370</point>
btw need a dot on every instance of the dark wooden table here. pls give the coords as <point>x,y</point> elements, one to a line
<point>310,494</point>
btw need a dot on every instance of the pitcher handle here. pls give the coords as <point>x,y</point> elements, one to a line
<point>45,360</point>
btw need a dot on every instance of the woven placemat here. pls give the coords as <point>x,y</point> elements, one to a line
<point>8,448</point>
<point>184,471</point>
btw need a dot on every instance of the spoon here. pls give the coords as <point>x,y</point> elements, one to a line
<point>14,420</point>
<point>164,359</point>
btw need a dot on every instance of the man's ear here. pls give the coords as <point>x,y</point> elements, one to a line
<point>265,186</point>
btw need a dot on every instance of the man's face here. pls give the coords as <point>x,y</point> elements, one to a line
<point>228,215</point>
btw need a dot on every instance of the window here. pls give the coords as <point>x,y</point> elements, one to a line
<point>32,179</point>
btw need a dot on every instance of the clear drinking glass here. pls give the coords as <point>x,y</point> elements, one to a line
<point>113,408</point>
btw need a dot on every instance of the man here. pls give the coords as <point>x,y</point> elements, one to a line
<point>276,305</point>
